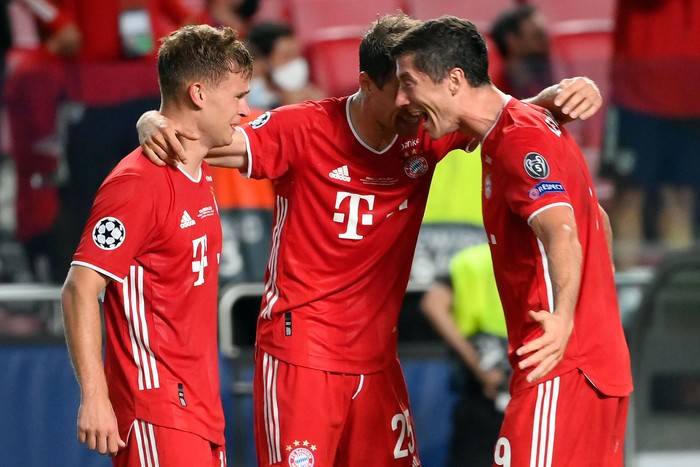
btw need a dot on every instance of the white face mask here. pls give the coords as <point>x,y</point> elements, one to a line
<point>292,76</point>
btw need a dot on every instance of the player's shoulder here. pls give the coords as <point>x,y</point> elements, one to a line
<point>314,109</point>
<point>137,172</point>
<point>523,123</point>
<point>305,115</point>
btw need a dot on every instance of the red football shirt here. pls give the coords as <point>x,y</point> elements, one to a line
<point>530,164</point>
<point>157,234</point>
<point>346,223</point>
<point>656,59</point>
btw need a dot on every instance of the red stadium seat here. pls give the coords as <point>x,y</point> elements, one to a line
<point>556,10</point>
<point>308,16</point>
<point>273,10</point>
<point>480,12</point>
<point>333,55</point>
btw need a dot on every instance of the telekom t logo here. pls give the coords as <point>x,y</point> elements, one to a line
<point>353,214</point>
<point>199,247</point>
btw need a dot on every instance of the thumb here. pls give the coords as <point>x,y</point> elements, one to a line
<point>536,316</point>
<point>188,134</point>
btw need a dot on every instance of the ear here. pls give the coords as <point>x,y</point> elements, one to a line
<point>196,93</point>
<point>455,79</point>
<point>365,82</point>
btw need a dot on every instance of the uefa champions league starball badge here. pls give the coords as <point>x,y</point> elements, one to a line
<point>109,233</point>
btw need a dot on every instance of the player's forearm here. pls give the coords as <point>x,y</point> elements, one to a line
<point>570,99</point>
<point>564,257</point>
<point>83,329</point>
<point>556,228</point>
<point>233,156</point>
<point>546,99</point>
<point>607,228</point>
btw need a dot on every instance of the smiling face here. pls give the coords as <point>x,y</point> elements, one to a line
<point>424,99</point>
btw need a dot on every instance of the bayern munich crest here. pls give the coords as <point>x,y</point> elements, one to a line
<point>109,233</point>
<point>301,457</point>
<point>415,166</point>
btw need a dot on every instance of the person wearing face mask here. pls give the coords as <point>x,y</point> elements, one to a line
<point>281,71</point>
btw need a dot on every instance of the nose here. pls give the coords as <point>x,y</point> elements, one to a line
<point>243,107</point>
<point>402,99</point>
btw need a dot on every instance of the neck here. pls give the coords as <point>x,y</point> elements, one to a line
<point>485,106</point>
<point>372,133</point>
<point>195,150</point>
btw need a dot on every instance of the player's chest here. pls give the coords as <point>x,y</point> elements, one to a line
<point>398,171</point>
<point>192,221</point>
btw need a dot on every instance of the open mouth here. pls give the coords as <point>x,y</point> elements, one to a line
<point>415,116</point>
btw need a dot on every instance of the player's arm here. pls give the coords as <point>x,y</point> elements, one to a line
<point>570,99</point>
<point>160,140</point>
<point>607,228</point>
<point>97,424</point>
<point>436,305</point>
<point>555,227</point>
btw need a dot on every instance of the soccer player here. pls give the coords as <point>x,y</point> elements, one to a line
<point>550,246</point>
<point>152,244</point>
<point>351,177</point>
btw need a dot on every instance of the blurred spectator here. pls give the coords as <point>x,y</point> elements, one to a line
<point>35,81</point>
<point>652,147</point>
<point>96,69</point>
<point>466,311</point>
<point>281,74</point>
<point>236,14</point>
<point>5,38</point>
<point>520,35</point>
<point>452,219</point>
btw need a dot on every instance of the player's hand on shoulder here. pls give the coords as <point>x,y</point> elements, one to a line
<point>547,350</point>
<point>159,140</point>
<point>578,97</point>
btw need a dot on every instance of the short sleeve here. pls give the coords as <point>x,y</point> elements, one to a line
<point>274,138</point>
<point>123,219</point>
<point>534,171</point>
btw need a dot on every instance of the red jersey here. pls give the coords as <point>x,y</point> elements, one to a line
<point>530,164</point>
<point>157,234</point>
<point>656,65</point>
<point>346,223</point>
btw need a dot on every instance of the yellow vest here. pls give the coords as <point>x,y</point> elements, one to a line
<point>477,306</point>
<point>455,192</point>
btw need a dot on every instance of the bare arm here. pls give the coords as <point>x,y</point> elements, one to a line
<point>97,424</point>
<point>160,140</point>
<point>436,305</point>
<point>556,229</point>
<point>607,228</point>
<point>572,98</point>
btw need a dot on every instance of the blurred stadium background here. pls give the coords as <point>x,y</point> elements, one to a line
<point>660,303</point>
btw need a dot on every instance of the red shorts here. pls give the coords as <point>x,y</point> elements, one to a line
<point>150,445</point>
<point>565,421</point>
<point>306,417</point>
